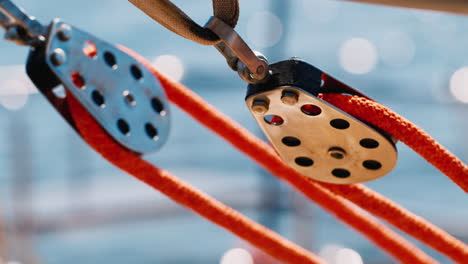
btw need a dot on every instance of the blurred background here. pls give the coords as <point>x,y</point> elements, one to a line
<point>62,203</point>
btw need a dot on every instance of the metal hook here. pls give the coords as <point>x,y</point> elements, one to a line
<point>20,27</point>
<point>252,67</point>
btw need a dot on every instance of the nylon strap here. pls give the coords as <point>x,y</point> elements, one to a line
<point>174,19</point>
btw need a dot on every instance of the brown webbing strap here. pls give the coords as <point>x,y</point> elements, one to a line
<point>174,19</point>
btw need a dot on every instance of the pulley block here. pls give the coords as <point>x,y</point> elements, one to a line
<point>312,136</point>
<point>118,91</point>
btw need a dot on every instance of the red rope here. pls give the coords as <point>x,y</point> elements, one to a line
<point>184,194</point>
<point>258,235</point>
<point>405,131</point>
<point>429,149</point>
<point>264,155</point>
<point>381,235</point>
<point>403,219</point>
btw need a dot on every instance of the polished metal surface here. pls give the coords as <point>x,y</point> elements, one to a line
<point>319,140</point>
<point>20,27</point>
<point>250,66</point>
<point>119,92</point>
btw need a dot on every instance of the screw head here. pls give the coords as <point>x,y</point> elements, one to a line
<point>58,57</point>
<point>129,99</point>
<point>64,32</point>
<point>289,97</point>
<point>337,153</point>
<point>260,105</point>
<point>260,70</point>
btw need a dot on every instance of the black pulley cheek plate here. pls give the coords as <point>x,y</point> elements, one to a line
<point>119,92</point>
<point>319,140</point>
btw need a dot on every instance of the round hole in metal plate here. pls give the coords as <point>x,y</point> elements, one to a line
<point>78,80</point>
<point>90,49</point>
<point>158,106</point>
<point>291,141</point>
<point>151,131</point>
<point>110,59</point>
<point>310,109</point>
<point>339,123</point>
<point>98,98</point>
<point>304,161</point>
<point>274,120</point>
<point>341,173</point>
<point>136,72</point>
<point>369,143</point>
<point>123,127</point>
<point>372,164</point>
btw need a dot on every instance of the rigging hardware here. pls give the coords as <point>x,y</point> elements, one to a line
<point>118,91</point>
<point>251,66</point>
<point>316,138</point>
<point>20,27</point>
<point>313,137</point>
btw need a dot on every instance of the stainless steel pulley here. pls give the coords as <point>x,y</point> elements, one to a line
<point>118,91</point>
<point>315,138</point>
<point>312,136</point>
<point>122,95</point>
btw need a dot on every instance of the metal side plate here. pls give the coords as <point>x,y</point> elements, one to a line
<point>319,140</point>
<point>119,92</point>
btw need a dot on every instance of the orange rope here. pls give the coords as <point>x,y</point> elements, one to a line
<point>403,219</point>
<point>184,194</point>
<point>407,132</point>
<point>381,235</point>
<point>264,155</point>
<point>433,152</point>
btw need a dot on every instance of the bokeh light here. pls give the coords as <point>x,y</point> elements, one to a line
<point>15,87</point>
<point>459,85</point>
<point>237,256</point>
<point>396,48</point>
<point>170,65</point>
<point>17,100</point>
<point>358,56</point>
<point>11,262</point>
<point>328,252</point>
<point>407,56</point>
<point>348,256</point>
<point>336,254</point>
<point>264,30</point>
